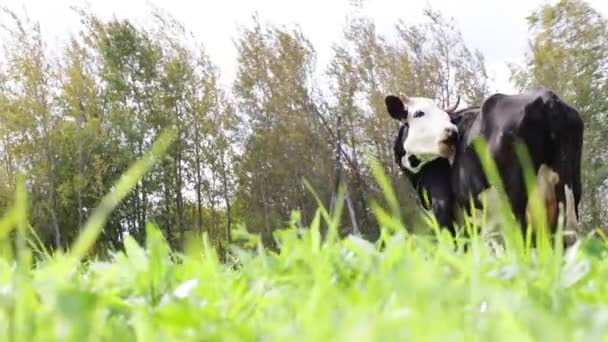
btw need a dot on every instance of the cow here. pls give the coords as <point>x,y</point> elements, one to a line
<point>434,148</point>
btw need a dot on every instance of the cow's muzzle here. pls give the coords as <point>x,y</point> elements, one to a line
<point>451,136</point>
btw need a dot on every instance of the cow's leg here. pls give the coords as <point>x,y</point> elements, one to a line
<point>546,183</point>
<point>441,203</point>
<point>516,192</point>
<point>443,211</point>
<point>436,184</point>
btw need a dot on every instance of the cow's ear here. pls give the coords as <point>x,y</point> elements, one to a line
<point>395,107</point>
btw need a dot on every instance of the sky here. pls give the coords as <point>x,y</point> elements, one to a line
<point>496,27</point>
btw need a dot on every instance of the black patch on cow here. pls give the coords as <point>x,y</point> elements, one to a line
<point>398,150</point>
<point>414,161</point>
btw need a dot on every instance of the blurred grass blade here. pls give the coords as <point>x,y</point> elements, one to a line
<point>386,187</point>
<point>511,234</point>
<point>20,281</point>
<point>321,206</point>
<point>332,220</point>
<point>127,181</point>
<point>536,204</point>
<point>37,245</point>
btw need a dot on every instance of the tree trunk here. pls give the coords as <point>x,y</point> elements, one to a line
<point>267,232</point>
<point>140,151</point>
<point>53,207</point>
<point>8,162</point>
<point>337,165</point>
<point>227,202</point>
<point>144,205</point>
<point>199,180</point>
<point>143,189</point>
<point>178,179</point>
<point>595,209</point>
<point>353,216</point>
<point>135,208</point>
<point>167,195</point>
<point>80,166</point>
<point>212,226</point>
<point>179,200</point>
<point>50,171</point>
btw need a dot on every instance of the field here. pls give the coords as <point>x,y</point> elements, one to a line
<point>404,287</point>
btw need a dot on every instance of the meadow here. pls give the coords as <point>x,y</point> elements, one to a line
<point>316,287</point>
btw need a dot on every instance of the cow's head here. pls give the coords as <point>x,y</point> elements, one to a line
<point>429,132</point>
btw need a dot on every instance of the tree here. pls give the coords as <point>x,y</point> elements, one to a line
<point>79,101</point>
<point>31,118</point>
<point>285,145</point>
<point>445,67</point>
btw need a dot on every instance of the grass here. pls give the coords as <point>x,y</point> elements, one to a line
<point>404,287</point>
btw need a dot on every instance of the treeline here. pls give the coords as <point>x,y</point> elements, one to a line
<point>73,123</point>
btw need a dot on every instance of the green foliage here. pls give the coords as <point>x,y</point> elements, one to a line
<point>315,287</point>
<point>74,125</point>
<point>245,155</point>
<point>287,143</point>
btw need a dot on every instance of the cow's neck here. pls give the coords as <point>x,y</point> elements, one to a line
<point>467,175</point>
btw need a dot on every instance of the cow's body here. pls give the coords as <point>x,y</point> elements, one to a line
<point>551,130</point>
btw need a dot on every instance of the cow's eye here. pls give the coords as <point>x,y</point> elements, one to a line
<point>418,114</point>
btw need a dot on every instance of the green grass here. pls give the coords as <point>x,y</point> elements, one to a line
<point>404,287</point>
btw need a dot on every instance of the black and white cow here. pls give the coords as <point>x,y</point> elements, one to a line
<point>434,149</point>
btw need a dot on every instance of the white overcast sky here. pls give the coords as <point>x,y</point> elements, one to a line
<point>496,27</point>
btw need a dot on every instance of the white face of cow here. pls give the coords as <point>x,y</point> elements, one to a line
<point>430,134</point>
